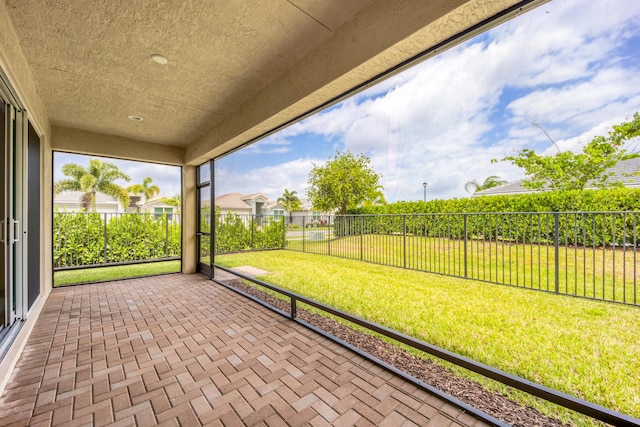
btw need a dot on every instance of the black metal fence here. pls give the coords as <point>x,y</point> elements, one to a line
<point>245,232</point>
<point>585,254</point>
<point>82,240</point>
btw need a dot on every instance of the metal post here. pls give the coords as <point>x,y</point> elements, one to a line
<point>294,308</point>
<point>361,238</point>
<point>464,218</point>
<point>253,234</point>
<point>166,235</point>
<point>329,237</point>
<point>105,238</point>
<point>284,232</point>
<point>304,227</point>
<point>556,244</point>
<point>404,240</point>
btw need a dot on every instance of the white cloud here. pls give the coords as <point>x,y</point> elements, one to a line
<point>269,180</point>
<point>561,65</point>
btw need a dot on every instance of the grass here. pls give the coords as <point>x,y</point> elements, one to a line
<point>88,275</point>
<point>585,348</point>
<point>585,271</point>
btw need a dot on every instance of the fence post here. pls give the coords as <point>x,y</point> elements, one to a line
<point>166,235</point>
<point>404,241</point>
<point>105,238</point>
<point>361,238</point>
<point>304,227</point>
<point>253,237</point>
<point>329,238</point>
<point>284,231</point>
<point>556,245</point>
<point>465,241</point>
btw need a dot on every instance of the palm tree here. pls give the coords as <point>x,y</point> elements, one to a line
<point>377,199</point>
<point>490,182</point>
<point>98,176</point>
<point>146,189</point>
<point>174,201</point>
<point>290,202</point>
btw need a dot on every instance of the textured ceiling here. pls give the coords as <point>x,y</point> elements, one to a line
<point>92,62</point>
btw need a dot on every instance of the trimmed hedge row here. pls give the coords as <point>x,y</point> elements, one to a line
<point>79,239</point>
<point>528,218</point>
<point>236,233</point>
<point>617,199</point>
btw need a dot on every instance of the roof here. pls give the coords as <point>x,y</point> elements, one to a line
<point>625,171</point>
<point>232,201</point>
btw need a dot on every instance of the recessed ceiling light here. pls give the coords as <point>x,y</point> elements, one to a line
<point>135,118</point>
<point>159,59</point>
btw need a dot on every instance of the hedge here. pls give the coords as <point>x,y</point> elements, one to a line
<point>79,238</point>
<point>617,199</point>
<point>528,218</point>
<point>236,233</point>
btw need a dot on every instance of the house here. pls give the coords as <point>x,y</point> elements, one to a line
<point>159,206</point>
<point>626,172</point>
<point>179,83</point>
<point>248,204</point>
<point>71,201</point>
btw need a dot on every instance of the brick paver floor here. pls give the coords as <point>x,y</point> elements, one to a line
<point>181,350</point>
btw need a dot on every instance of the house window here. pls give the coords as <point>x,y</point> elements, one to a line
<point>133,201</point>
<point>278,213</point>
<point>158,212</point>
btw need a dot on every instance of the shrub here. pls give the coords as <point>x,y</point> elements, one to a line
<point>79,238</point>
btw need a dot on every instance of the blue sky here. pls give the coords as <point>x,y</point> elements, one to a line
<point>573,66</point>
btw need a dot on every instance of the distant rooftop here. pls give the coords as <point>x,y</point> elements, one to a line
<point>626,171</point>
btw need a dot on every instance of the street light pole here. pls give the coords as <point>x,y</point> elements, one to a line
<point>424,184</point>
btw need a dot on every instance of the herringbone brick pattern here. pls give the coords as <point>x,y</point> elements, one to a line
<point>180,350</point>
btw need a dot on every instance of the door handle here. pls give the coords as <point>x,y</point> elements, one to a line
<point>15,230</point>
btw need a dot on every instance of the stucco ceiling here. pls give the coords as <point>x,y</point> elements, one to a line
<point>92,59</point>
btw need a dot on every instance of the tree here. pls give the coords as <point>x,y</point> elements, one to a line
<point>290,202</point>
<point>378,198</point>
<point>146,189</point>
<point>98,176</point>
<point>344,182</point>
<point>174,201</point>
<point>571,171</point>
<point>490,182</point>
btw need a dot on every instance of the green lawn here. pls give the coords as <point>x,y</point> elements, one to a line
<point>586,348</point>
<point>594,273</point>
<point>88,275</point>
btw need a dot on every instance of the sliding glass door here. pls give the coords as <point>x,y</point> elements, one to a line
<point>5,297</point>
<point>19,216</point>
<point>9,215</point>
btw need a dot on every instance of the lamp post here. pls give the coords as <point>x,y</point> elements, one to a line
<point>424,184</point>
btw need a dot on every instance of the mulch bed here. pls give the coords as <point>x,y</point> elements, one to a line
<point>470,392</point>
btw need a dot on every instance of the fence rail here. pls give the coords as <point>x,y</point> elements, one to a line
<point>584,254</point>
<point>83,240</point>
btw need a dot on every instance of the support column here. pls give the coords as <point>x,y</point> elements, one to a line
<point>189,215</point>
